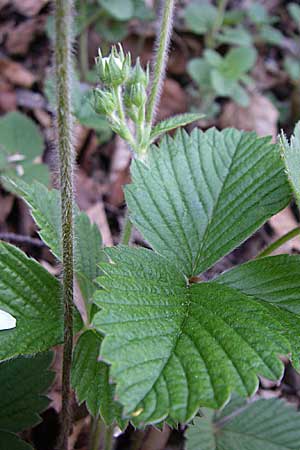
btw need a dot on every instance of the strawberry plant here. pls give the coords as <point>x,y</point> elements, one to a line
<point>158,339</point>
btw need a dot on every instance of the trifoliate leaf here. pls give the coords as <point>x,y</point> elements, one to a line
<point>90,379</point>
<point>33,296</point>
<point>23,383</point>
<point>175,347</point>
<point>197,197</point>
<point>261,425</point>
<point>291,156</point>
<point>174,122</point>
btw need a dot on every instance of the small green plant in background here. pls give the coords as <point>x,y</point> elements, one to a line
<point>226,74</point>
<point>218,76</point>
<point>21,144</point>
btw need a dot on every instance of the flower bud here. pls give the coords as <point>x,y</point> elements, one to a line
<point>113,70</point>
<point>139,75</point>
<point>104,102</point>
<point>135,94</point>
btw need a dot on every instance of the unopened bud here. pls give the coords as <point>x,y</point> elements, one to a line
<point>104,102</point>
<point>113,70</point>
<point>139,75</point>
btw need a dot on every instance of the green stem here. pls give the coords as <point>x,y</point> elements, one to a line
<point>279,242</point>
<point>98,429</point>
<point>64,124</point>
<point>162,45</point>
<point>210,41</point>
<point>109,438</point>
<point>127,230</point>
<point>121,113</point>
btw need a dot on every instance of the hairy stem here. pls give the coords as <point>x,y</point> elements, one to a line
<point>279,242</point>
<point>162,45</point>
<point>64,124</point>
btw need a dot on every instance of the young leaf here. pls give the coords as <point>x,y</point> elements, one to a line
<point>260,425</point>
<point>32,295</point>
<point>90,379</point>
<point>200,196</point>
<point>174,348</point>
<point>291,157</point>
<point>174,122</point>
<point>23,383</point>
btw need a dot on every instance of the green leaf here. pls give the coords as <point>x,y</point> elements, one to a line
<point>199,70</point>
<point>90,379</point>
<point>260,425</point>
<point>174,122</point>
<point>238,61</point>
<point>235,36</point>
<point>33,296</point>
<point>271,35</point>
<point>258,13</point>
<point>200,18</point>
<point>274,281</point>
<point>292,67</point>
<point>203,194</point>
<point>45,209</point>
<point>175,347</point>
<point>12,442</point>
<point>291,156</point>
<point>119,9</point>
<point>294,11</point>
<point>19,134</point>
<point>23,383</point>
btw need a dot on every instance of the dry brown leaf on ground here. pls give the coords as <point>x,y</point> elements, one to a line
<point>156,439</point>
<point>20,37</point>
<point>8,98</point>
<point>87,191</point>
<point>97,215</point>
<point>261,116</point>
<point>282,223</point>
<point>173,100</point>
<point>29,8</point>
<point>119,172</point>
<point>15,73</point>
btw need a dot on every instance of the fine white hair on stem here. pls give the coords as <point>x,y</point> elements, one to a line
<point>160,60</point>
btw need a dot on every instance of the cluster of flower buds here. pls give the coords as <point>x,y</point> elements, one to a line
<point>113,70</point>
<point>123,94</point>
